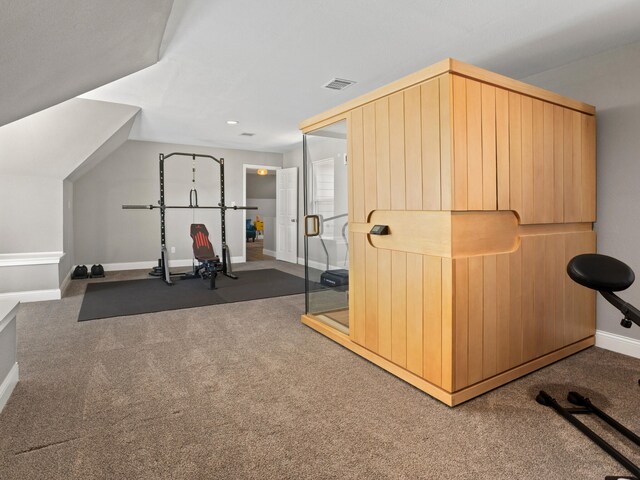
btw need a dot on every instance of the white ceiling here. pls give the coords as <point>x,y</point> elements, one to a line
<point>51,51</point>
<point>263,62</point>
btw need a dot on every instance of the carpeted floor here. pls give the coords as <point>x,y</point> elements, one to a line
<point>244,390</point>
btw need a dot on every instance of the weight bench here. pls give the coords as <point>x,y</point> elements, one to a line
<point>606,275</point>
<point>208,262</point>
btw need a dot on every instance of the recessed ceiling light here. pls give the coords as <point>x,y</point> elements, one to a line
<point>262,171</point>
<point>232,122</point>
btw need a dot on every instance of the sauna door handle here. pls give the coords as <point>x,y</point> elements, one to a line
<point>315,221</point>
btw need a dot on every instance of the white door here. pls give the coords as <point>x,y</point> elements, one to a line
<point>287,214</point>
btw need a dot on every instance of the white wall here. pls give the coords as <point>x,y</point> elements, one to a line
<point>611,82</point>
<point>67,231</point>
<point>104,233</point>
<point>30,214</point>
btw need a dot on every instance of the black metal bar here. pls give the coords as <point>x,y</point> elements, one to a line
<point>577,399</point>
<point>547,400</point>
<point>191,155</point>
<point>152,207</point>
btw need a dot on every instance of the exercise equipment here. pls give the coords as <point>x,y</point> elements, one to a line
<point>97,271</point>
<point>606,275</point>
<point>208,262</point>
<point>585,407</point>
<point>79,272</point>
<point>329,278</point>
<point>162,269</point>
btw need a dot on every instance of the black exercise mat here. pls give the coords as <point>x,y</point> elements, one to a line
<point>133,297</point>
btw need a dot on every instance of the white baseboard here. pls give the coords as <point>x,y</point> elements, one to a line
<point>271,253</point>
<point>618,343</point>
<point>8,384</point>
<point>66,281</point>
<point>33,295</point>
<point>320,265</point>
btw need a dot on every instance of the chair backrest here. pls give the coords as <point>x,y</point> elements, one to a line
<point>202,248</point>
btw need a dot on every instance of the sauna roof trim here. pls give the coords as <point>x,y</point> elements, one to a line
<point>448,65</point>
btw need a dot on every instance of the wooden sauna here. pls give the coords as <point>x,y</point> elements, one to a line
<point>487,187</point>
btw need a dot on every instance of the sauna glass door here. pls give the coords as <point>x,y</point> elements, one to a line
<point>326,236</point>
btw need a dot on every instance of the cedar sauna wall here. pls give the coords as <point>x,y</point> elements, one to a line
<point>458,143</point>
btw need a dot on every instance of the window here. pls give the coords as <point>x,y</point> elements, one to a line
<point>322,193</point>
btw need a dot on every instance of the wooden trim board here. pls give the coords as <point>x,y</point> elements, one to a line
<point>449,398</point>
<point>448,65</point>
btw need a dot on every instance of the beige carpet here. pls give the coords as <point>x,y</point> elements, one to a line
<point>245,391</point>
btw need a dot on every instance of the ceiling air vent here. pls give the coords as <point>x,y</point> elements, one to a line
<point>247,134</point>
<point>338,84</point>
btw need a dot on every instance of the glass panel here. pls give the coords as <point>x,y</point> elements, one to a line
<point>326,224</point>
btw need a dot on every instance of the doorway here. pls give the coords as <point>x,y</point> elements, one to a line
<point>259,187</point>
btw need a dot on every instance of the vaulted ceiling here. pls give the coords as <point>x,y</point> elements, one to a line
<point>264,63</point>
<point>51,51</point>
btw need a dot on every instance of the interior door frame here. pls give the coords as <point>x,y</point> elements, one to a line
<point>245,168</point>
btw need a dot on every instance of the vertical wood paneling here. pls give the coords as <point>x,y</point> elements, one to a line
<point>502,148</point>
<point>576,121</point>
<point>515,153</point>
<point>353,291</point>
<point>548,198</point>
<point>558,165</point>
<point>490,317</point>
<point>539,306</point>
<point>448,328</point>
<point>503,319</point>
<point>461,321</point>
<point>558,289</point>
<point>396,151</point>
<point>446,138</point>
<point>527,160</point>
<point>384,303</point>
<point>529,276</point>
<point>588,168</point>
<point>564,291</point>
<point>459,143</point>
<point>413,147</point>
<point>489,159</point>
<point>570,287</point>
<point>475,319</point>
<point>570,214</point>
<point>550,274</point>
<point>383,171</point>
<point>474,145</point>
<point>430,107</point>
<point>538,161</point>
<point>432,305</point>
<point>515,307</point>
<point>399,308</point>
<point>371,302</point>
<point>357,275</point>
<point>350,172</point>
<point>415,334</point>
<point>357,140</point>
<point>370,165</point>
